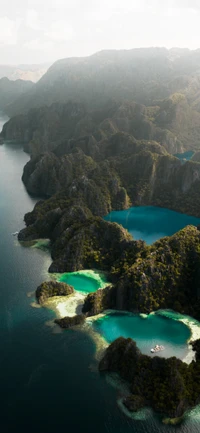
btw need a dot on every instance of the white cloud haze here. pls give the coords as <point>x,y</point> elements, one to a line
<point>35,31</point>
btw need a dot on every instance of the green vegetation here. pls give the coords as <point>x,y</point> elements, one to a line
<point>48,289</point>
<point>169,386</point>
<point>69,322</point>
<point>100,154</point>
<point>164,275</point>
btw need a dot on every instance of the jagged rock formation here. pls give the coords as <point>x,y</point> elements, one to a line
<point>49,289</point>
<point>169,386</point>
<point>93,157</point>
<point>69,322</point>
<point>11,90</point>
<point>145,75</point>
<point>144,175</point>
<point>164,275</point>
<point>62,127</point>
<point>196,347</point>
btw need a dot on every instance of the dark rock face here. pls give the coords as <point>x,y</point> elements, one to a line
<point>196,348</point>
<point>99,301</point>
<point>11,90</point>
<point>174,118</point>
<point>49,289</point>
<point>169,267</point>
<point>28,234</point>
<point>146,175</point>
<point>69,322</point>
<point>134,403</point>
<point>42,228</point>
<point>141,274</point>
<point>164,384</point>
<point>93,245</point>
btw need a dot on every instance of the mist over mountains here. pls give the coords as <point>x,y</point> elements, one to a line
<point>145,75</point>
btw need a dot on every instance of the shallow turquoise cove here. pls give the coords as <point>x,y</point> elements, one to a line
<point>147,332</point>
<point>86,282</point>
<point>151,223</point>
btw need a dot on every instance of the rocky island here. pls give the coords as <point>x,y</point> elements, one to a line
<point>169,386</point>
<point>102,154</point>
<point>69,322</point>
<point>49,289</point>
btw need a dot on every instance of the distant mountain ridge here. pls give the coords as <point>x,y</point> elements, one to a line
<point>23,72</point>
<point>11,91</point>
<point>144,75</point>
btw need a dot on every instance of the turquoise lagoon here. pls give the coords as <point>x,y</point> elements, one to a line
<point>186,156</point>
<point>84,281</point>
<point>147,331</point>
<point>50,381</point>
<point>151,223</point>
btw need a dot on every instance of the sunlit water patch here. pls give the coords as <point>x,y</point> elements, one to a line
<point>188,321</point>
<point>66,305</point>
<point>151,223</point>
<point>84,281</point>
<point>147,332</point>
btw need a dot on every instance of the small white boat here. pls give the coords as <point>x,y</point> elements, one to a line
<point>15,233</point>
<point>157,348</point>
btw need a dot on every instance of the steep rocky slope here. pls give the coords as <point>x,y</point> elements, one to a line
<point>164,275</point>
<point>61,127</point>
<point>11,90</point>
<point>143,75</point>
<point>169,386</point>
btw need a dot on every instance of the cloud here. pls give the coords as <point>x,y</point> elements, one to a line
<point>32,20</point>
<point>60,31</point>
<point>8,31</point>
<point>38,45</point>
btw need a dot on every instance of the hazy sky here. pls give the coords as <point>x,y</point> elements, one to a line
<point>35,31</point>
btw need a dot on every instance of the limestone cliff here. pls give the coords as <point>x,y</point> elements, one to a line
<point>49,289</point>
<point>62,127</point>
<point>169,386</point>
<point>164,275</point>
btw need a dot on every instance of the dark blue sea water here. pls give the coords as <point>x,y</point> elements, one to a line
<point>151,223</point>
<point>48,380</point>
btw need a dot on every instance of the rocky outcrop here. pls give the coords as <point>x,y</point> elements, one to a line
<point>11,90</point>
<point>99,301</point>
<point>95,244</point>
<point>144,175</point>
<point>70,322</point>
<point>49,289</point>
<point>162,276</point>
<point>196,347</point>
<point>64,127</point>
<point>196,157</point>
<point>43,227</point>
<point>169,386</point>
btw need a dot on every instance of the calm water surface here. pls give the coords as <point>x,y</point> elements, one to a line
<point>186,156</point>
<point>151,223</point>
<point>48,380</point>
<point>147,331</point>
<point>84,281</point>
